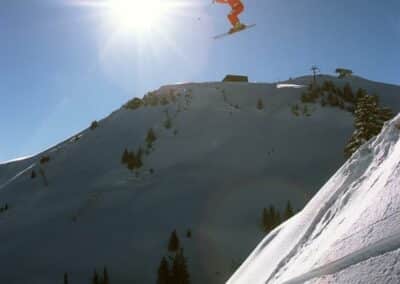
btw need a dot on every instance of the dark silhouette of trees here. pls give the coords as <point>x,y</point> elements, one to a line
<point>260,104</point>
<point>288,211</point>
<point>348,95</point>
<point>94,125</point>
<point>105,279</point>
<point>150,138</point>
<point>134,104</point>
<point>271,217</point>
<point>44,160</point>
<point>342,72</point>
<point>132,160</point>
<point>125,157</point>
<point>180,274</point>
<point>65,278</point>
<point>95,279</point>
<point>163,274</point>
<point>173,244</point>
<point>174,270</point>
<point>5,208</point>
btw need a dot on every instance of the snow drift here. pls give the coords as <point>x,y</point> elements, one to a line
<point>348,233</point>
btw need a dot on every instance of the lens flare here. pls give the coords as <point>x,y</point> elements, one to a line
<point>137,15</point>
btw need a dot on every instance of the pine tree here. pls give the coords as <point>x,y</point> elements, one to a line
<point>125,157</point>
<point>6,207</point>
<point>260,104</point>
<point>360,94</point>
<point>275,217</point>
<point>333,100</point>
<point>134,103</point>
<point>180,273</point>
<point>266,220</point>
<point>328,86</point>
<point>189,233</point>
<point>368,123</point>
<point>343,72</point>
<point>348,95</point>
<point>94,125</point>
<point>168,122</point>
<point>174,243</point>
<point>106,279</point>
<point>272,217</point>
<point>132,161</point>
<point>95,279</point>
<point>163,275</point>
<point>288,211</point>
<point>151,137</point>
<point>65,278</point>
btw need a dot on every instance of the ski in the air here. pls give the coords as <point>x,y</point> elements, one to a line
<point>233,32</point>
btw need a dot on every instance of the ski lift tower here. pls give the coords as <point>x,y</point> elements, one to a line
<point>315,71</point>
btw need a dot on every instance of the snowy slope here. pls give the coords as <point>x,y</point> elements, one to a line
<point>222,161</point>
<point>348,233</point>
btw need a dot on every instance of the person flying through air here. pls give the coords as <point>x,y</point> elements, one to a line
<point>237,8</point>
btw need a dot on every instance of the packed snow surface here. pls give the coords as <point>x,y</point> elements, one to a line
<point>295,86</point>
<point>348,233</point>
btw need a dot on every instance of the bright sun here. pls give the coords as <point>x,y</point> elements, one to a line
<point>137,15</point>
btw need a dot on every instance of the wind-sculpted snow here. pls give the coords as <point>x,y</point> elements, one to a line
<point>354,218</point>
<point>384,245</point>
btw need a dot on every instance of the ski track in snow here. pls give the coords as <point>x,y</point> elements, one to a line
<point>378,248</point>
<point>3,186</point>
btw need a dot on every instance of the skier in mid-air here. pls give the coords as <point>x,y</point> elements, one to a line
<point>237,8</point>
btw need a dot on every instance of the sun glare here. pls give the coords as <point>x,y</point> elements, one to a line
<point>137,15</point>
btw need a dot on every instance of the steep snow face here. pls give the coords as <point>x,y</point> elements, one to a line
<point>213,171</point>
<point>348,233</point>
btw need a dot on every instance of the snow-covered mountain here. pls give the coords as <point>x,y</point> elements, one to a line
<point>218,160</point>
<point>348,233</point>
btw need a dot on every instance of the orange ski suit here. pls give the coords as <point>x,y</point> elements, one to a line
<point>237,8</point>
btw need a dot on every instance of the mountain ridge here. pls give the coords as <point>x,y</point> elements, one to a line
<point>218,160</point>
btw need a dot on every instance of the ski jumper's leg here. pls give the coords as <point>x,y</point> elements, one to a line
<point>237,8</point>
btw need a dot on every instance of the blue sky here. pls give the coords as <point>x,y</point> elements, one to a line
<point>63,66</point>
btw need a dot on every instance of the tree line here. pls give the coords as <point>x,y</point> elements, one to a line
<point>272,218</point>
